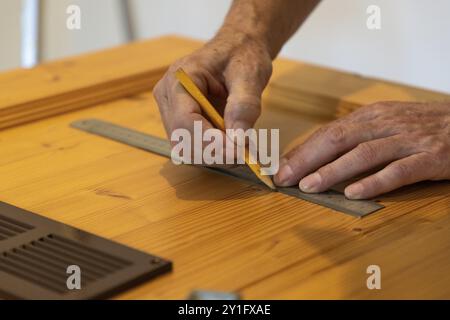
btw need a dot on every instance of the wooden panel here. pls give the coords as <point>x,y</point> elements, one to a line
<point>329,94</point>
<point>412,254</point>
<point>75,83</point>
<point>221,233</point>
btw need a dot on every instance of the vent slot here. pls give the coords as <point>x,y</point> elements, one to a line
<point>10,228</point>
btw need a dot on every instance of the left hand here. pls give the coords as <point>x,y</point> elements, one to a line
<point>411,141</point>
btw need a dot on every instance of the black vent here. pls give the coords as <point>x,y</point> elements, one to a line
<point>10,228</point>
<point>45,261</point>
<point>35,253</point>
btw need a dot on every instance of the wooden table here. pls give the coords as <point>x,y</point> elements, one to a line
<point>221,234</point>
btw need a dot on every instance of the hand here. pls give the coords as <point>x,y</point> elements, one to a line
<point>411,141</point>
<point>232,70</point>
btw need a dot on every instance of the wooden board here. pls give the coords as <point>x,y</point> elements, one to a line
<point>220,233</point>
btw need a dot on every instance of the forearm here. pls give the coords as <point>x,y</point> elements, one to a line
<point>272,22</point>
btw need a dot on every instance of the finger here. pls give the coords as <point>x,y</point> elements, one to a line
<point>362,158</point>
<point>244,101</point>
<point>183,109</point>
<point>415,168</point>
<point>181,103</point>
<point>162,102</point>
<point>324,146</point>
<point>185,113</point>
<point>177,108</point>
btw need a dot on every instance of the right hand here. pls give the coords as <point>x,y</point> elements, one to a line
<point>231,70</point>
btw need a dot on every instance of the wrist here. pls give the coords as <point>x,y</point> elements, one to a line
<point>231,37</point>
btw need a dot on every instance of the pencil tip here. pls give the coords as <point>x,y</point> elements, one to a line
<point>268,181</point>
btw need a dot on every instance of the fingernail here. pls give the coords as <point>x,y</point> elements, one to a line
<point>354,191</point>
<point>311,183</point>
<point>283,176</point>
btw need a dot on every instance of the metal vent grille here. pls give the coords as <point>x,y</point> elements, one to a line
<point>10,228</point>
<point>44,262</point>
<point>35,254</point>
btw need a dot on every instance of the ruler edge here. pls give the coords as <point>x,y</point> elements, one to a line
<point>78,124</point>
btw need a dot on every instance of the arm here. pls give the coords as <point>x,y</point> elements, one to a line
<point>272,22</point>
<point>234,67</point>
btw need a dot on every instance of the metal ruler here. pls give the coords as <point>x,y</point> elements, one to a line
<point>330,199</point>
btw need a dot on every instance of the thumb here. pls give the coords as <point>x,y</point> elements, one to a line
<point>243,104</point>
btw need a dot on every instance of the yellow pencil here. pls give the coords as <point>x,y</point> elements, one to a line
<point>216,119</point>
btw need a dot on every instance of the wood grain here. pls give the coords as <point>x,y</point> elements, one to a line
<point>223,234</point>
<point>330,94</point>
<point>74,83</point>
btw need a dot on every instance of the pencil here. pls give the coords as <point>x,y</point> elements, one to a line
<point>217,120</point>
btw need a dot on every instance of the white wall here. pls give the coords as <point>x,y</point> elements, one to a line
<point>411,47</point>
<point>9,34</point>
<point>100,27</point>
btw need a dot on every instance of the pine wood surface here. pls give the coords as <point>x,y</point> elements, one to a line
<point>221,234</point>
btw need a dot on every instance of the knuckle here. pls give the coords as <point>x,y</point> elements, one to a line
<point>383,105</point>
<point>376,106</point>
<point>402,171</point>
<point>296,158</point>
<point>336,135</point>
<point>158,91</point>
<point>321,131</point>
<point>182,62</point>
<point>188,63</point>
<point>373,184</point>
<point>328,174</point>
<point>174,66</point>
<point>439,158</point>
<point>367,152</point>
<point>378,109</point>
<point>440,148</point>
